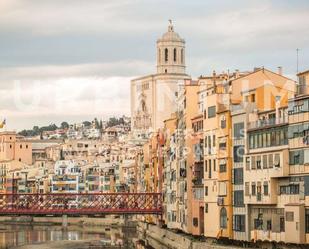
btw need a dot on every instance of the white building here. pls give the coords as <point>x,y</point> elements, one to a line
<point>66,177</point>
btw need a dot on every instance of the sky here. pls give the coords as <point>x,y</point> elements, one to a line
<point>72,60</point>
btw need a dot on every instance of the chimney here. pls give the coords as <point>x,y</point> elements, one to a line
<point>280,70</point>
<point>236,73</point>
<point>214,75</point>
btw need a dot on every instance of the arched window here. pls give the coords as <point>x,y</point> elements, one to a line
<point>223,218</point>
<point>181,55</point>
<point>175,57</point>
<point>166,55</point>
<point>159,55</point>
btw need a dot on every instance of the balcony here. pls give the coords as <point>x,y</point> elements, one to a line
<point>265,123</point>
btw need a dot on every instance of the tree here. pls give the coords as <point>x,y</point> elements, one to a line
<point>64,125</point>
<point>87,123</point>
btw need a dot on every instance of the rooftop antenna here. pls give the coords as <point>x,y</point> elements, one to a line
<point>297,51</point>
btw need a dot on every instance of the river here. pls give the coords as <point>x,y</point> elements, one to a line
<point>38,236</point>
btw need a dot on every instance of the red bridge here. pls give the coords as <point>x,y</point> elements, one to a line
<point>81,204</point>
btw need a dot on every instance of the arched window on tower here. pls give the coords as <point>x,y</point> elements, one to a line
<point>159,55</point>
<point>181,55</point>
<point>175,56</point>
<point>223,218</point>
<point>166,55</point>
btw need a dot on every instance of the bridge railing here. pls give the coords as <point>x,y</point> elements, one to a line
<point>71,203</point>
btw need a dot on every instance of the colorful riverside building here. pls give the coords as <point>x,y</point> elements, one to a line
<point>208,153</point>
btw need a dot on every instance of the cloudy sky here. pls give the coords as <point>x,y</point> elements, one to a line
<point>73,59</point>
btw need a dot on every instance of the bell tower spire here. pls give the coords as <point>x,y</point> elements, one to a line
<point>171,52</point>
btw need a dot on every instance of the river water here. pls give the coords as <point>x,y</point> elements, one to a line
<point>12,236</point>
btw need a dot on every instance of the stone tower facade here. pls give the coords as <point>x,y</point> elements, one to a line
<point>153,97</point>
<point>171,53</point>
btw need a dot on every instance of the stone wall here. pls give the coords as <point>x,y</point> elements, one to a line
<point>156,235</point>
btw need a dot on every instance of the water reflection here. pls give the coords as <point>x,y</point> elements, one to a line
<point>14,235</point>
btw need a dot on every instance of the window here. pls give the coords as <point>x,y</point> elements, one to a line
<point>209,167</point>
<point>282,226</point>
<point>277,160</point>
<point>292,189</point>
<point>238,198</point>
<point>239,130</point>
<point>264,161</point>
<point>253,98</point>
<point>296,157</point>
<point>175,58</point>
<point>238,152</point>
<point>222,145</point>
<point>238,176</point>
<point>206,190</point>
<point>274,137</point>
<point>222,167</point>
<point>253,188</point>
<point>20,146</point>
<point>206,166</point>
<point>258,162</point>
<point>258,224</point>
<point>211,111</point>
<point>253,162</point>
<point>223,218</point>
<point>270,161</point>
<point>289,216</point>
<point>215,168</point>
<point>307,221</point>
<point>206,207</point>
<point>182,54</point>
<point>247,163</point>
<point>268,225</point>
<point>223,122</point>
<point>239,223</point>
<point>195,222</point>
<point>222,189</point>
<point>265,188</point>
<point>166,55</point>
<point>214,140</point>
<point>247,188</point>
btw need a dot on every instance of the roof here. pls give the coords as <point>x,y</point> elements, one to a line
<point>170,35</point>
<point>267,72</point>
<point>304,72</point>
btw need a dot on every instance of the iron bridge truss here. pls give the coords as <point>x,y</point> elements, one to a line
<point>81,204</point>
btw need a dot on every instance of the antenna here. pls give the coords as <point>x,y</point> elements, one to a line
<point>297,50</point>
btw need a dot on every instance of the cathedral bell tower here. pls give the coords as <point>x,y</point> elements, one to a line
<point>171,53</point>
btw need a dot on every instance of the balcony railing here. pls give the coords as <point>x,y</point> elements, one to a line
<point>261,123</point>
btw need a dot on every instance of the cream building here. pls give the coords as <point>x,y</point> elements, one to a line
<point>153,97</point>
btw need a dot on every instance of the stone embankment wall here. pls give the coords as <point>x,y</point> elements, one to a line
<point>161,238</point>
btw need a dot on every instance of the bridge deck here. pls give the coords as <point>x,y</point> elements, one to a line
<point>79,204</point>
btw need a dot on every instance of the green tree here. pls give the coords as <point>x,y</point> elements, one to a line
<point>64,125</point>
